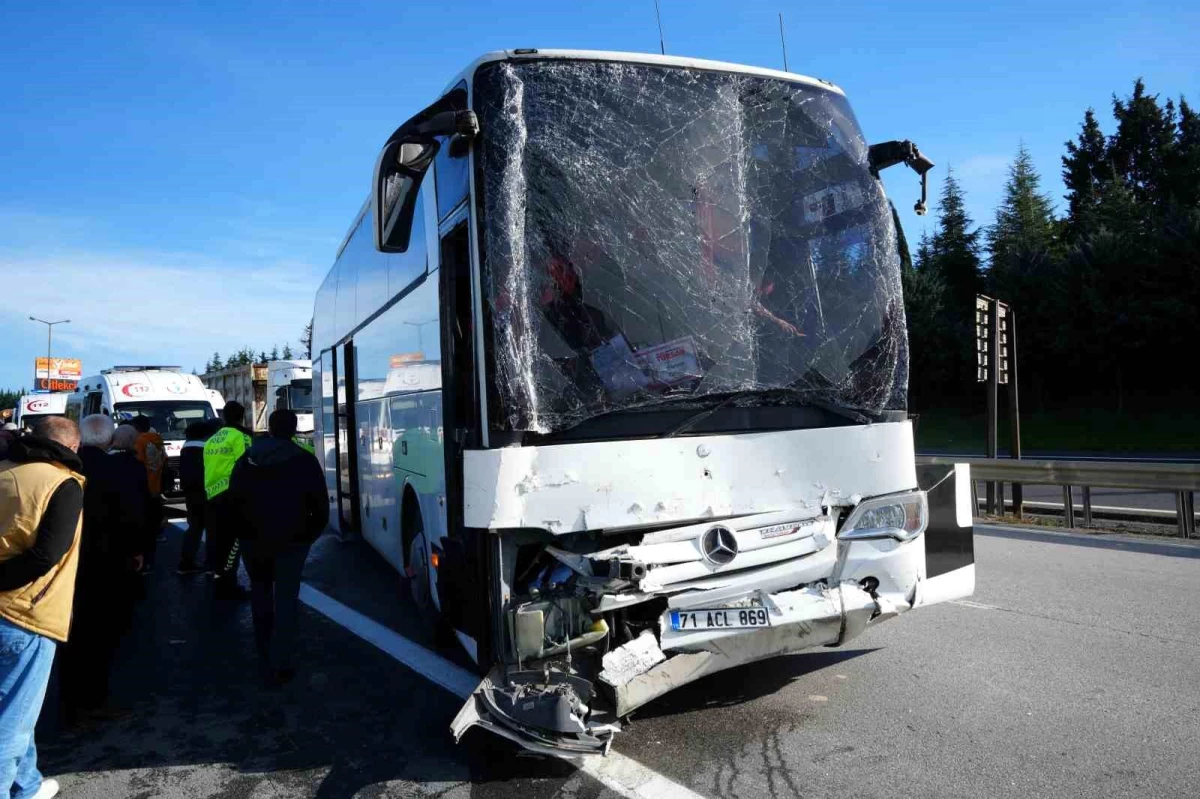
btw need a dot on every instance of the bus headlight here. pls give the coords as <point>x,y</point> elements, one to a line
<point>899,516</point>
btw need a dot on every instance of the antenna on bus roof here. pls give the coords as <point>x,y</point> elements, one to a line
<point>782,43</point>
<point>662,45</point>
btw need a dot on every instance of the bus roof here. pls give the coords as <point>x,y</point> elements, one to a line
<point>638,58</point>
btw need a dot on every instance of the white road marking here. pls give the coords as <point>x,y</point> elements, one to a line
<point>618,773</point>
<point>966,603</point>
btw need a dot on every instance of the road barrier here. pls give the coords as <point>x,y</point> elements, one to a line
<point>1180,479</point>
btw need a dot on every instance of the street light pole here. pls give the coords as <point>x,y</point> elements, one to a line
<point>420,336</point>
<point>49,332</point>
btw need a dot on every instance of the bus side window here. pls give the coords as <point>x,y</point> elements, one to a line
<point>92,404</point>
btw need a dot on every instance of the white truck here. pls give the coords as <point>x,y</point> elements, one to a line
<point>245,385</point>
<point>262,388</point>
<point>33,407</point>
<point>289,386</point>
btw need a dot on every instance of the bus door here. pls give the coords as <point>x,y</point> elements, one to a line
<point>463,554</point>
<point>347,440</point>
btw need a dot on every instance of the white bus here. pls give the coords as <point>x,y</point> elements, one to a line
<point>33,407</point>
<point>171,399</point>
<point>613,369</point>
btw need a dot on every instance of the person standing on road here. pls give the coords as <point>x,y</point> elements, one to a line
<point>152,452</point>
<point>279,489</point>
<point>41,504</point>
<point>221,452</point>
<point>191,480</point>
<point>114,501</point>
<point>131,472</point>
<point>6,438</point>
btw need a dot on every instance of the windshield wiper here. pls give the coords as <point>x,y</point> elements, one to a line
<point>842,412</point>
<point>699,416</point>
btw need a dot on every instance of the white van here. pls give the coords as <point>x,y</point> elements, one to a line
<point>172,400</point>
<point>33,407</point>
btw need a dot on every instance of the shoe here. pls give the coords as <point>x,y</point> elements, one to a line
<point>49,788</point>
<point>188,567</point>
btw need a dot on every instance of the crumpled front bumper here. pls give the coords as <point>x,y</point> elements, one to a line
<point>808,617</point>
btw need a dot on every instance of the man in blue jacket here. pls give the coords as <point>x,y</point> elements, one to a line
<point>279,490</point>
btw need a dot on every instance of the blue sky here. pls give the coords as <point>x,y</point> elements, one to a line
<point>176,177</point>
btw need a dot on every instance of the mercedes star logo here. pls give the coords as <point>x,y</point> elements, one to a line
<point>719,545</point>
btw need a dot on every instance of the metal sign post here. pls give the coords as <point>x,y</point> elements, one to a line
<point>995,364</point>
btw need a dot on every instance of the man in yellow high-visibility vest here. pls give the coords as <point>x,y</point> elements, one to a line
<point>221,452</point>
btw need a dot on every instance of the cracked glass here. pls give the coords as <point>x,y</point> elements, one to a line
<point>659,235</point>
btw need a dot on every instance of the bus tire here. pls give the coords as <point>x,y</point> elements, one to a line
<point>417,572</point>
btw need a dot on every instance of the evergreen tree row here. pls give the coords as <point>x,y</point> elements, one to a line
<point>1106,298</point>
<point>246,356</point>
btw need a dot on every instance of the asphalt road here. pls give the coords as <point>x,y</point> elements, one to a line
<point>1071,672</point>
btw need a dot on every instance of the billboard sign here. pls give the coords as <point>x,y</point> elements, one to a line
<point>59,374</point>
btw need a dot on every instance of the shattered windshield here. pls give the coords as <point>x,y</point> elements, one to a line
<point>655,234</point>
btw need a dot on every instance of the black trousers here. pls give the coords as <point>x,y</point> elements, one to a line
<point>102,609</point>
<point>223,524</point>
<point>197,503</point>
<point>274,599</point>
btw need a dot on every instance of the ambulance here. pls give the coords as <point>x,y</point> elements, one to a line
<point>172,400</point>
<point>32,408</point>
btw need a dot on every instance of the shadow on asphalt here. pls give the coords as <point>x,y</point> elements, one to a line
<point>202,725</point>
<point>745,683</point>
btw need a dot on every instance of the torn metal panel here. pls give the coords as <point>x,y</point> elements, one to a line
<point>545,712</point>
<point>651,232</point>
<point>636,483</point>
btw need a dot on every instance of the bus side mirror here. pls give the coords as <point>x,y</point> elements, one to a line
<point>402,165</point>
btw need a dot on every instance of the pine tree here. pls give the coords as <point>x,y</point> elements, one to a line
<point>287,352</point>
<point>215,364</point>
<point>1141,149</point>
<point>1086,172</point>
<point>955,248</point>
<point>274,352</point>
<point>1020,241</point>
<point>262,357</point>
<point>953,257</point>
<point>1185,163</point>
<point>923,309</point>
<point>306,339</point>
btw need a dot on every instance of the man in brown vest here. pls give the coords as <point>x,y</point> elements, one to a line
<point>41,499</point>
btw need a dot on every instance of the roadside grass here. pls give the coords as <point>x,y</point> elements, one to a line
<point>1083,430</point>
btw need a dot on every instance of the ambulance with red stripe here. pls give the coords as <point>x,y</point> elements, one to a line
<point>171,399</point>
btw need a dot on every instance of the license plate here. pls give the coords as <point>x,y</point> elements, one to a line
<point>719,619</point>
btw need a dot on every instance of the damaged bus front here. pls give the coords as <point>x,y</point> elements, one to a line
<point>674,387</point>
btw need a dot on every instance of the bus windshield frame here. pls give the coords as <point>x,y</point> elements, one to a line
<point>654,236</point>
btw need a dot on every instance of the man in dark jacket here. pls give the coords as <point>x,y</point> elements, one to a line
<point>124,460</point>
<point>279,489</point>
<point>110,555</point>
<point>191,480</point>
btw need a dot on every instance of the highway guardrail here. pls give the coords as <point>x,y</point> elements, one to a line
<point>1180,479</point>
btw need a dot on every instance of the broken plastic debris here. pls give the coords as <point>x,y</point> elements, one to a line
<point>636,657</point>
